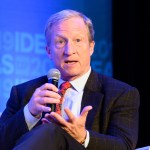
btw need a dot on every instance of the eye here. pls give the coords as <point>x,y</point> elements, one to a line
<point>78,40</point>
<point>60,42</point>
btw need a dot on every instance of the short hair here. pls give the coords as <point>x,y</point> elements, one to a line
<point>67,14</point>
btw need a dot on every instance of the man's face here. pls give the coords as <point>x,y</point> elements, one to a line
<point>69,48</point>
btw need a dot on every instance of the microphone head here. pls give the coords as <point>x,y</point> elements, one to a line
<point>53,74</point>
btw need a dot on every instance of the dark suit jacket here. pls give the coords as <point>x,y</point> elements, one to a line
<point>112,123</point>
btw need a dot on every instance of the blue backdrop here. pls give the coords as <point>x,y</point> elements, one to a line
<point>22,43</point>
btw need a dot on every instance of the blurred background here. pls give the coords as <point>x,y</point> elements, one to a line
<point>121,51</point>
<point>22,42</point>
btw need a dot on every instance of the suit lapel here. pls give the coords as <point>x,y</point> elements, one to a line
<point>92,96</point>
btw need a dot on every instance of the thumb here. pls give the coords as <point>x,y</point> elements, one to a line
<point>85,111</point>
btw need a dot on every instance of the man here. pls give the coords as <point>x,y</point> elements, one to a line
<point>98,112</point>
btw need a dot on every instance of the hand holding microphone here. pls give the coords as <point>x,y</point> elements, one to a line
<point>45,95</point>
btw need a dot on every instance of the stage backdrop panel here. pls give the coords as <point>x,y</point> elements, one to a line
<point>22,42</point>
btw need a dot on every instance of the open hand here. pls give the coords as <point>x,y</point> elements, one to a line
<point>75,126</point>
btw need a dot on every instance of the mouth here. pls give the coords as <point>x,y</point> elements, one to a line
<point>70,62</point>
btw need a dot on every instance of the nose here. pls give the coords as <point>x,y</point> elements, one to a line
<point>70,48</point>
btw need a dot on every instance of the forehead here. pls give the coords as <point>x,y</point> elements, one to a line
<point>74,25</point>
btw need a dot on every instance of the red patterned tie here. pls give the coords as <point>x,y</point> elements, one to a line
<point>63,87</point>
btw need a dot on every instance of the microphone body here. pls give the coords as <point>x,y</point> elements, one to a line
<point>53,77</point>
<point>53,81</point>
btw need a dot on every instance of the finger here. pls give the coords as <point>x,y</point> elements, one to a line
<point>49,86</point>
<point>85,111</point>
<point>42,108</point>
<point>47,93</point>
<point>44,121</point>
<point>48,117</point>
<point>59,119</point>
<point>47,100</point>
<point>66,129</point>
<point>69,114</point>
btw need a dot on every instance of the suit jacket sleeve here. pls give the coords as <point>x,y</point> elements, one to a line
<point>12,122</point>
<point>119,123</point>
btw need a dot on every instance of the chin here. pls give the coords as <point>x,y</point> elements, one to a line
<point>70,75</point>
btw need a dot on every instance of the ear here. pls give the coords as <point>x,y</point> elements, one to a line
<point>48,51</point>
<point>92,44</point>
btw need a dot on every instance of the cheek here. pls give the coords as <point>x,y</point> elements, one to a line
<point>85,58</point>
<point>56,57</point>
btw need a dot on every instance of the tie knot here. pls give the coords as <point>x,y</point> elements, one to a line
<point>63,87</point>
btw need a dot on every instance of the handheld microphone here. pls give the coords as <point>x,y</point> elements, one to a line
<point>53,76</point>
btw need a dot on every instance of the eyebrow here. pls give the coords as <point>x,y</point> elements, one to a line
<point>60,36</point>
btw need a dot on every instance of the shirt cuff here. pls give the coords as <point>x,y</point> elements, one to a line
<point>87,139</point>
<point>30,120</point>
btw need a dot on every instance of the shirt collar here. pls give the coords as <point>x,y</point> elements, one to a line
<point>78,83</point>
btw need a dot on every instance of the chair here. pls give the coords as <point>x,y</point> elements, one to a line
<point>144,148</point>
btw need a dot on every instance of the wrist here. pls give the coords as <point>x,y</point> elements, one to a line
<point>33,114</point>
<point>83,140</point>
<point>37,116</point>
